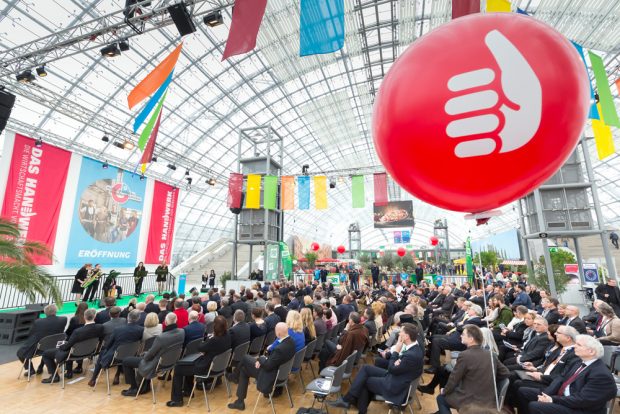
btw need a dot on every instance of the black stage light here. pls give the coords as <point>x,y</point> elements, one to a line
<point>211,181</point>
<point>332,183</point>
<point>189,180</point>
<point>304,169</point>
<point>124,45</point>
<point>7,100</point>
<point>186,172</point>
<point>213,19</point>
<point>118,144</point>
<point>154,159</point>
<point>25,77</point>
<point>105,138</point>
<point>142,177</point>
<point>41,71</point>
<point>105,165</point>
<point>172,167</point>
<point>38,143</point>
<point>110,51</point>
<point>182,19</point>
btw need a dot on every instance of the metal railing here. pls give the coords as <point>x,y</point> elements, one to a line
<point>11,297</point>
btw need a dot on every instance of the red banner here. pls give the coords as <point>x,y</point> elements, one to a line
<point>381,195</point>
<point>246,20</point>
<point>34,191</point>
<point>163,212</point>
<point>235,188</point>
<point>464,7</point>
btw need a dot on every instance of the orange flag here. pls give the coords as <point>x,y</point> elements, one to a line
<point>154,79</point>
<point>288,193</point>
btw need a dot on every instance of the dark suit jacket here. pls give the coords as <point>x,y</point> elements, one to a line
<point>111,325</point>
<point>578,324</point>
<point>589,392</point>
<point>141,319</point>
<point>239,334</point>
<point>294,304</point>
<point>515,336</point>
<point>152,307</point>
<point>211,348</point>
<point>170,336</point>
<point>399,377</point>
<point>40,329</point>
<point>195,330</point>
<point>226,312</point>
<point>240,305</point>
<point>269,366</point>
<point>271,321</point>
<point>281,311</point>
<point>471,382</point>
<point>553,316</point>
<point>534,350</point>
<point>103,316</point>
<point>123,334</point>
<point>448,305</point>
<point>92,330</point>
<point>561,368</point>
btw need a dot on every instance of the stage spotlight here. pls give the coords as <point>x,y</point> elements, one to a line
<point>211,181</point>
<point>128,145</point>
<point>41,71</point>
<point>213,19</point>
<point>182,19</point>
<point>172,167</point>
<point>304,169</point>
<point>105,165</point>
<point>105,138</point>
<point>110,51</point>
<point>142,177</point>
<point>154,159</point>
<point>118,144</point>
<point>25,77</point>
<point>124,45</point>
<point>186,172</point>
<point>332,183</point>
<point>39,143</point>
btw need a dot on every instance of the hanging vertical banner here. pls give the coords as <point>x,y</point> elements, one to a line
<point>380,184</point>
<point>464,7</point>
<point>607,107</point>
<point>303,190</point>
<point>320,192</point>
<point>357,190</point>
<point>521,11</point>
<point>498,6</point>
<point>107,216</point>
<point>288,193</point>
<point>252,196</point>
<point>235,188</point>
<point>137,123</point>
<point>321,26</point>
<point>34,190</point>
<point>618,85</point>
<point>593,109</point>
<point>469,265</point>
<point>603,139</point>
<point>406,236</point>
<point>398,237</point>
<point>247,16</point>
<point>287,263</point>
<point>270,192</point>
<point>147,155</point>
<point>161,229</point>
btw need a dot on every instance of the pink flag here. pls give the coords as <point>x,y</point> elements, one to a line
<point>381,196</point>
<point>235,187</point>
<point>147,155</point>
<point>464,7</point>
<point>246,19</point>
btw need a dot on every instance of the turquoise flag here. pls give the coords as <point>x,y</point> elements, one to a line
<point>321,26</point>
<point>593,110</point>
<point>151,104</point>
<point>303,186</point>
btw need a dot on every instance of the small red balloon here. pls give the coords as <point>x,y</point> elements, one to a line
<point>434,241</point>
<point>340,249</point>
<point>401,251</point>
<point>315,246</point>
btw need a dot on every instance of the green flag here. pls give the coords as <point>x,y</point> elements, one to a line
<point>270,191</point>
<point>146,132</point>
<point>287,263</point>
<point>609,115</point>
<point>469,262</point>
<point>357,185</point>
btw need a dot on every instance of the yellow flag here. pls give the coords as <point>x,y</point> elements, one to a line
<point>320,192</point>
<point>603,139</point>
<point>498,6</point>
<point>252,196</point>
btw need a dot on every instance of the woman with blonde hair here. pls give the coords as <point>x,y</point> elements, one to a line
<point>308,302</point>
<point>296,329</point>
<point>308,323</point>
<point>152,327</point>
<point>378,308</point>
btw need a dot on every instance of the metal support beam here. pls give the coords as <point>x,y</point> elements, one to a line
<point>549,269</point>
<point>579,260</point>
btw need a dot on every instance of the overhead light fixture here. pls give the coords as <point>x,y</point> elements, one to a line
<point>304,169</point>
<point>119,144</point>
<point>105,165</point>
<point>105,138</point>
<point>213,19</point>
<point>41,71</point>
<point>128,145</point>
<point>186,172</point>
<point>25,77</point>
<point>142,177</point>
<point>211,181</point>
<point>189,180</point>
<point>332,183</point>
<point>39,143</point>
<point>172,167</point>
<point>182,19</point>
<point>124,45</point>
<point>154,159</point>
<point>110,51</point>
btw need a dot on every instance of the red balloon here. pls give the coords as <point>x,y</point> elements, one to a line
<point>401,251</point>
<point>340,249</point>
<point>434,241</point>
<point>499,113</point>
<point>315,246</point>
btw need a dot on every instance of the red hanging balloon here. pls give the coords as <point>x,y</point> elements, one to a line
<point>315,246</point>
<point>340,249</point>
<point>495,100</point>
<point>434,241</point>
<point>401,251</point>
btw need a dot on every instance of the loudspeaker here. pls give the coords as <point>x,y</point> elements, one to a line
<point>7,100</point>
<point>181,18</point>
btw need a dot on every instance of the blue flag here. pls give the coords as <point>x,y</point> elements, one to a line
<point>521,11</point>
<point>303,183</point>
<point>593,109</point>
<point>151,103</point>
<point>321,26</point>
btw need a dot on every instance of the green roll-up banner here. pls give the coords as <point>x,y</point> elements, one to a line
<point>287,263</point>
<point>357,189</point>
<point>609,114</point>
<point>469,261</point>
<point>270,191</point>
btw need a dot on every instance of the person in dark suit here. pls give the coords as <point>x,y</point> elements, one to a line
<point>573,319</point>
<point>550,310</point>
<point>278,309</point>
<point>272,318</point>
<point>185,369</point>
<point>238,304</point>
<point>534,347</point>
<point>104,316</point>
<point>147,364</point>
<point>225,310</point>
<point>405,365</point>
<point>52,357</point>
<point>50,325</point>
<point>194,330</point>
<point>610,294</point>
<point>123,334</point>
<point>585,388</point>
<point>522,298</point>
<point>114,322</point>
<point>344,309</point>
<point>293,303</point>
<point>471,381</point>
<point>264,369</point>
<point>240,331</point>
<point>151,306</point>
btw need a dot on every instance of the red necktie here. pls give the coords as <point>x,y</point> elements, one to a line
<point>570,380</point>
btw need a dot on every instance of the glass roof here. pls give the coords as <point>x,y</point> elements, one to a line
<point>321,105</point>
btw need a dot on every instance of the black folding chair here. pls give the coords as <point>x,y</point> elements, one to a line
<point>78,352</point>
<point>45,343</point>
<point>192,347</point>
<point>281,381</point>
<point>165,365</point>
<point>298,359</point>
<point>256,346</point>
<point>270,337</point>
<point>148,344</point>
<point>217,369</point>
<point>307,358</point>
<point>123,351</point>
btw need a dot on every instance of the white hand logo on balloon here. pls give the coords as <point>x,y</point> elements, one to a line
<point>521,106</point>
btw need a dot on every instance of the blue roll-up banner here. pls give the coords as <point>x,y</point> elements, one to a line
<point>321,26</point>
<point>303,190</point>
<point>105,227</point>
<point>182,280</point>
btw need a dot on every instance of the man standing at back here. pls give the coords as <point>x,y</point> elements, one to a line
<point>374,272</point>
